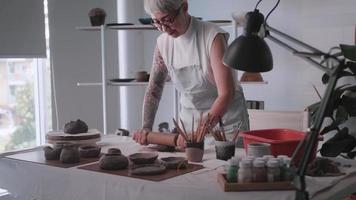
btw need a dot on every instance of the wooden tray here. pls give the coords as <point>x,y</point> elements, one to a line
<point>38,157</point>
<point>60,135</point>
<point>170,173</point>
<point>230,187</point>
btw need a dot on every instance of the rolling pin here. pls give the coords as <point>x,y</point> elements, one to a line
<point>168,139</point>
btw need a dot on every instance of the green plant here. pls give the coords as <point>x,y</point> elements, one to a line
<point>341,109</point>
<point>25,134</point>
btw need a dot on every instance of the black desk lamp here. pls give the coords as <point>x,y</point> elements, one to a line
<point>249,52</point>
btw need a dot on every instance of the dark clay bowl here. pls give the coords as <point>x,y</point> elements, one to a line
<point>114,151</point>
<point>143,158</point>
<point>147,20</point>
<point>52,153</point>
<point>174,162</point>
<point>89,151</point>
<point>113,162</point>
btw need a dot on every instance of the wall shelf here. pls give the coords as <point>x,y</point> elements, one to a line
<point>132,27</point>
<point>133,83</point>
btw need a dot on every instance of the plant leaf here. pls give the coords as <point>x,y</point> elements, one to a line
<point>325,78</point>
<point>345,73</point>
<point>312,110</point>
<point>341,142</point>
<point>349,51</point>
<point>341,115</point>
<point>351,66</point>
<point>348,101</point>
<point>331,127</point>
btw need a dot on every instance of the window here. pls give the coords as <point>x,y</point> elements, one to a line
<point>25,100</point>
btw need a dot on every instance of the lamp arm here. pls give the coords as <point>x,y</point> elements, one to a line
<point>307,56</point>
<point>311,139</point>
<point>332,69</point>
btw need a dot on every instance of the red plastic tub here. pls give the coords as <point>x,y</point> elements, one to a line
<point>283,141</point>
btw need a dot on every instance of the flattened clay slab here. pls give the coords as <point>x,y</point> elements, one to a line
<point>152,169</point>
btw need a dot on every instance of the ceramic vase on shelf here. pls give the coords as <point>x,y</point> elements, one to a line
<point>251,77</point>
<point>97,16</point>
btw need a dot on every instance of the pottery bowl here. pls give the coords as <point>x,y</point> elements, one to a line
<point>224,149</point>
<point>194,154</point>
<point>174,162</point>
<point>114,151</point>
<point>147,20</point>
<point>143,158</point>
<point>89,151</point>
<point>113,162</point>
<point>70,154</point>
<point>52,153</point>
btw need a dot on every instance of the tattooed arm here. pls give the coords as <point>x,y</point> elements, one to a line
<point>153,94</point>
<point>154,90</point>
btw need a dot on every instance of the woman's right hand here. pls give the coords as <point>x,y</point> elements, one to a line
<point>140,136</point>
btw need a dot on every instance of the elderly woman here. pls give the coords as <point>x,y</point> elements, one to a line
<point>189,52</point>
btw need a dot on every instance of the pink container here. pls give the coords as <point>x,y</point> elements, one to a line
<point>283,141</point>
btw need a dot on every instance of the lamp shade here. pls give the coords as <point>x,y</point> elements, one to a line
<point>249,52</point>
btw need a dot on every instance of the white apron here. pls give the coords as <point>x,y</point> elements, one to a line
<point>197,94</point>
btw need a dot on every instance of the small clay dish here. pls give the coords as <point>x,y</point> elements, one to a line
<point>174,162</point>
<point>143,158</point>
<point>114,151</point>
<point>89,151</point>
<point>147,20</point>
<point>113,162</point>
<point>149,169</point>
<point>52,153</point>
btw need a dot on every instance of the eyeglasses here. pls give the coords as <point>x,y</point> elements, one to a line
<point>166,20</point>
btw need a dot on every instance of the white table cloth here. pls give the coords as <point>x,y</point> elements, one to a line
<point>28,181</point>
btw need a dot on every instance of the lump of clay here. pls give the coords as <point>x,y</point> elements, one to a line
<point>113,160</point>
<point>323,167</point>
<point>52,153</point>
<point>75,127</point>
<point>89,151</point>
<point>70,154</point>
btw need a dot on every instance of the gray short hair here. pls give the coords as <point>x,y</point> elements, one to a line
<point>164,6</point>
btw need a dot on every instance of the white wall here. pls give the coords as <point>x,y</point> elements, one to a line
<point>135,52</point>
<point>76,58</point>
<point>76,54</point>
<point>321,23</point>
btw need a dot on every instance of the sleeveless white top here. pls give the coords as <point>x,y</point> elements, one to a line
<point>187,59</point>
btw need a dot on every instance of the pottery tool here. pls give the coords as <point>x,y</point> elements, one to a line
<point>185,131</point>
<point>222,131</point>
<point>193,138</point>
<point>237,131</point>
<point>180,130</point>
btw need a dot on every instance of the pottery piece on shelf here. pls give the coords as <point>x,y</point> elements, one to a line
<point>52,153</point>
<point>143,158</point>
<point>251,77</point>
<point>142,76</point>
<point>148,169</point>
<point>122,132</point>
<point>113,162</point>
<point>89,151</point>
<point>97,16</point>
<point>75,127</point>
<point>146,20</point>
<point>174,162</point>
<point>70,154</point>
